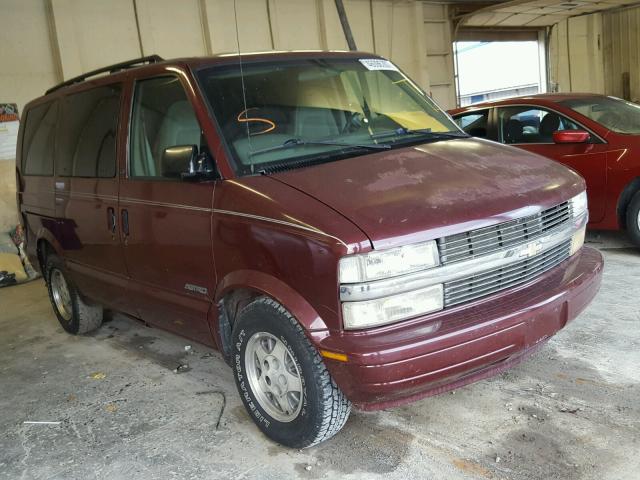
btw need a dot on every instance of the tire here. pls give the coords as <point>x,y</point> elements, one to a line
<point>317,407</point>
<point>633,219</point>
<point>74,314</point>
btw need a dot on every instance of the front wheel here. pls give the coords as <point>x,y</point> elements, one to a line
<point>282,379</point>
<point>633,219</point>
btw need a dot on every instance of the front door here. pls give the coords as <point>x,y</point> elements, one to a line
<point>165,220</point>
<point>531,128</point>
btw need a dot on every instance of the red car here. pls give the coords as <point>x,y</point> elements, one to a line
<point>597,136</point>
<point>313,215</point>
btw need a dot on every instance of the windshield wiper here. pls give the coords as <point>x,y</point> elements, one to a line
<point>420,131</point>
<point>295,142</point>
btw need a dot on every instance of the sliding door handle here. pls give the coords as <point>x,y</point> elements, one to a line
<point>111,219</point>
<point>125,222</point>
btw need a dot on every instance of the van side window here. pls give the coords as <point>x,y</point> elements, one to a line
<point>162,117</point>
<point>38,141</point>
<point>86,146</point>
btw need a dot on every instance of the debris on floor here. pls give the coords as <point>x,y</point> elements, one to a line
<point>183,367</point>
<point>7,278</point>
<point>14,264</point>
<point>573,410</point>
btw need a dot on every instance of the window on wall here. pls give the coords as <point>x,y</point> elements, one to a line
<point>162,117</point>
<point>39,138</point>
<point>86,146</point>
<point>531,125</point>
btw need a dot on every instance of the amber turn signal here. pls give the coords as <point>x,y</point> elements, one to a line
<point>341,357</point>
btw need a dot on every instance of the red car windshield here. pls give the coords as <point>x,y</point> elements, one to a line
<point>613,113</point>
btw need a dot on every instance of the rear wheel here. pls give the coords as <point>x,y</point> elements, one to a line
<point>282,379</point>
<point>74,313</point>
<point>633,219</point>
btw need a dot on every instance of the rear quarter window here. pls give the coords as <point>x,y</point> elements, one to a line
<point>39,138</point>
<point>86,146</point>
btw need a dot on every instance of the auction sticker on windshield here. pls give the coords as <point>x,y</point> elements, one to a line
<point>377,64</point>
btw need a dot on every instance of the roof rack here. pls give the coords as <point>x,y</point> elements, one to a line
<point>116,67</point>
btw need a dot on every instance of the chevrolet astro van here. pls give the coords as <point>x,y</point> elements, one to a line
<point>312,215</point>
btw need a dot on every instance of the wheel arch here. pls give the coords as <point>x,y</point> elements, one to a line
<point>46,244</point>
<point>239,288</point>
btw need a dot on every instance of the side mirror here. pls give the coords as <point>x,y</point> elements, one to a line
<point>185,162</point>
<point>571,136</point>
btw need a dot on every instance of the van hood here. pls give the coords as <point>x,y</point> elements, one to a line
<point>435,189</point>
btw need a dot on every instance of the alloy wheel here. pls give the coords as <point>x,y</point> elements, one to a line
<point>274,376</point>
<point>61,295</point>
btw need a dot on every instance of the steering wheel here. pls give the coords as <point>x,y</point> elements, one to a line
<point>355,121</point>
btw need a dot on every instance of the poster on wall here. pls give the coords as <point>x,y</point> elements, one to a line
<point>8,130</point>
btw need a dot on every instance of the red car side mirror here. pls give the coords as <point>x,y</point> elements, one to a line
<point>571,136</point>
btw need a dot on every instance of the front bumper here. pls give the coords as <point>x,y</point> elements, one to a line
<point>401,363</point>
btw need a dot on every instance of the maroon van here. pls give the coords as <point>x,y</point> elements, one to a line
<point>314,216</point>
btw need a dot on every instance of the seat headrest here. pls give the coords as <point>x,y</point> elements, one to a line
<point>513,131</point>
<point>550,123</point>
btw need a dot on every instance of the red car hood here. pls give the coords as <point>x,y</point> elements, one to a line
<point>435,189</point>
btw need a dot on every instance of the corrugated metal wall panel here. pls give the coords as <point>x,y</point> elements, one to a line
<point>576,55</point>
<point>437,30</point>
<point>621,35</point>
<point>597,53</point>
<point>88,35</point>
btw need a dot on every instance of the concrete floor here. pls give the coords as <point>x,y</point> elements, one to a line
<point>570,412</point>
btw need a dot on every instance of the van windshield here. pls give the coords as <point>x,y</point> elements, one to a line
<point>291,114</point>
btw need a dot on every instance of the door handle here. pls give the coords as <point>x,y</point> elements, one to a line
<point>125,222</point>
<point>111,214</point>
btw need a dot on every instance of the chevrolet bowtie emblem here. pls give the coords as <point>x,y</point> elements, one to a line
<point>531,249</point>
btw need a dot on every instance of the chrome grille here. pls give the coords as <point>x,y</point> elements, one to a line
<point>491,281</point>
<point>482,241</point>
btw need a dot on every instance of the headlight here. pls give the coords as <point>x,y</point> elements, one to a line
<point>388,263</point>
<point>579,204</point>
<point>371,313</point>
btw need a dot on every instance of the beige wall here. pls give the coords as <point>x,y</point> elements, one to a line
<point>576,55</point>
<point>8,213</point>
<point>593,53</point>
<point>47,41</point>
<point>438,41</point>
<point>27,66</point>
<point>621,47</point>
